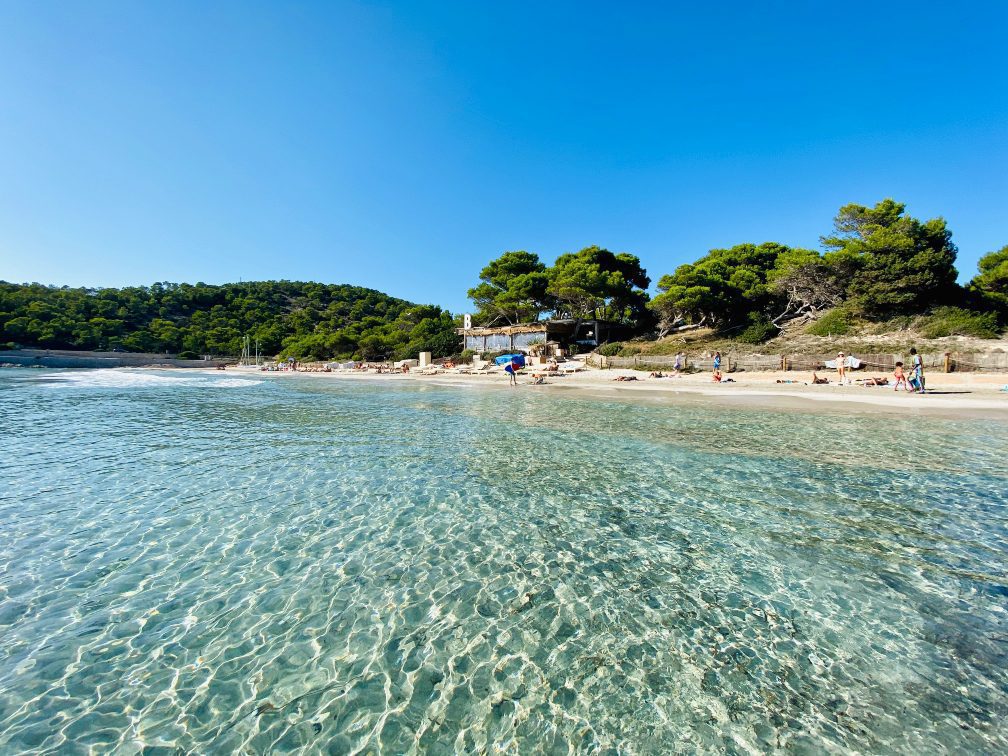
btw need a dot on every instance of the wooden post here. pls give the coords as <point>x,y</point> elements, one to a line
<point>948,362</point>
<point>783,363</point>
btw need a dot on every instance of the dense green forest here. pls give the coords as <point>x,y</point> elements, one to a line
<point>305,320</point>
<point>877,263</point>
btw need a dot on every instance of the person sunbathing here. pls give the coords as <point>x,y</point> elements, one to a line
<point>875,382</point>
<point>816,380</point>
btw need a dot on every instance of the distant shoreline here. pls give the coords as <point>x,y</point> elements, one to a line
<point>960,395</point>
<point>69,358</point>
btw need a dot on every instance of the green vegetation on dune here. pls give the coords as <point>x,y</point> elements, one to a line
<point>304,320</point>
<point>837,322</point>
<point>957,321</point>
<point>878,265</point>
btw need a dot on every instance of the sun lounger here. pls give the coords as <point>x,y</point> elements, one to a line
<point>570,367</point>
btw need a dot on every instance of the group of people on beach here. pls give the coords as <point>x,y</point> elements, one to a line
<point>679,364</point>
<point>914,382</point>
<point>910,379</point>
<point>538,379</point>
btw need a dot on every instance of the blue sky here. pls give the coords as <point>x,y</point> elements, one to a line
<point>401,146</point>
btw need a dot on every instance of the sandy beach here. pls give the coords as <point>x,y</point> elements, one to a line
<point>949,394</point>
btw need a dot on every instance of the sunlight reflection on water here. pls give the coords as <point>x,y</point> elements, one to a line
<point>305,565</point>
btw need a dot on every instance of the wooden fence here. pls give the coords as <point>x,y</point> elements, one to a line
<point>877,362</point>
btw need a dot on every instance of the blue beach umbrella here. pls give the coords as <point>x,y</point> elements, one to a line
<point>506,359</point>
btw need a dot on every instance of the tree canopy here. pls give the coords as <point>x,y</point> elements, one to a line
<point>595,283</point>
<point>724,286</point>
<point>512,288</point>
<point>992,280</point>
<point>899,264</point>
<point>592,283</point>
<point>303,320</point>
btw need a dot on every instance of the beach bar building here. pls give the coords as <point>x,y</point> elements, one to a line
<point>552,334</point>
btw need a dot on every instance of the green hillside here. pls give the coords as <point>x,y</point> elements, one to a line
<point>289,318</point>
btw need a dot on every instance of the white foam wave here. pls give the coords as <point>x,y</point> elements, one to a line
<point>232,383</point>
<point>128,379</point>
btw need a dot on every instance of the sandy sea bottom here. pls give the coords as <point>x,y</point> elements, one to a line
<point>235,564</point>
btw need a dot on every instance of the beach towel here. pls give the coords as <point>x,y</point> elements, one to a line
<point>852,362</point>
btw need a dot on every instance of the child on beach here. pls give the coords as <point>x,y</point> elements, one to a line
<point>900,377</point>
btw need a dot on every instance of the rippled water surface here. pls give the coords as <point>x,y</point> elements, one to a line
<point>217,563</point>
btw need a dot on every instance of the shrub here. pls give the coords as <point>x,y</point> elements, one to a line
<point>836,322</point>
<point>956,321</point>
<point>467,355</point>
<point>760,329</point>
<point>611,349</point>
<point>188,356</point>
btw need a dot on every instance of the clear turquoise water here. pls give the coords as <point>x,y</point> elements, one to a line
<point>223,564</point>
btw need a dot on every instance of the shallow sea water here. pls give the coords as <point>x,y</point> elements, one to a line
<point>235,564</point>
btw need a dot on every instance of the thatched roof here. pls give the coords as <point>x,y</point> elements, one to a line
<point>504,330</point>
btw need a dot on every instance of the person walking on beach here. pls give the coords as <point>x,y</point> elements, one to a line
<point>717,362</point>
<point>678,362</point>
<point>916,371</point>
<point>841,368</point>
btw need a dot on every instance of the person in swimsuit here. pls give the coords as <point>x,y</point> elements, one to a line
<point>841,368</point>
<point>717,362</point>
<point>900,377</point>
